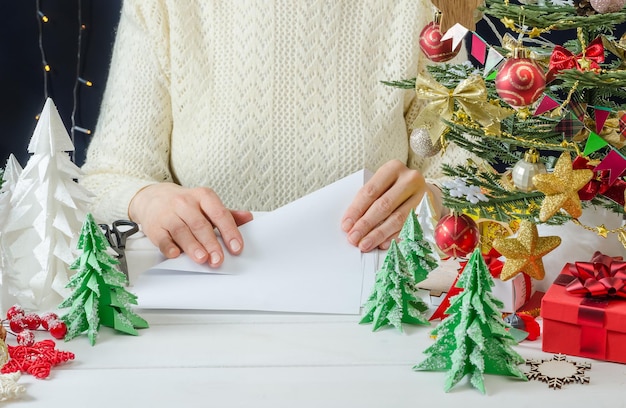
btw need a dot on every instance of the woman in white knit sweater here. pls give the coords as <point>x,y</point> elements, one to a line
<point>214,108</point>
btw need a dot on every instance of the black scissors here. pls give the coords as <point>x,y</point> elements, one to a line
<point>116,234</point>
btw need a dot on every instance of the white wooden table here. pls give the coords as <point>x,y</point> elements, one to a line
<point>221,359</point>
<point>216,359</point>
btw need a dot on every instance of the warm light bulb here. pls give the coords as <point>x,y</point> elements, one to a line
<point>43,17</point>
<point>82,130</point>
<point>85,82</point>
<point>46,68</point>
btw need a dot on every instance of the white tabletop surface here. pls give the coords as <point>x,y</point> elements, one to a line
<point>254,359</point>
<point>221,359</point>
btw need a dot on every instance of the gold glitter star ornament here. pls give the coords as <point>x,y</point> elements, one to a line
<point>524,253</point>
<point>561,188</point>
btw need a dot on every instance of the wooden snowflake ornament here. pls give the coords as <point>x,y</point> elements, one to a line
<point>558,371</point>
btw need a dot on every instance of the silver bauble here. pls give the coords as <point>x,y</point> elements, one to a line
<point>525,169</point>
<point>421,145</point>
<point>607,6</point>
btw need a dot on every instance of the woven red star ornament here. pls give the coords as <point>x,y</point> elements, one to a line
<point>36,360</point>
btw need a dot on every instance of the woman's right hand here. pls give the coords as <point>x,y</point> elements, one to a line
<point>183,219</point>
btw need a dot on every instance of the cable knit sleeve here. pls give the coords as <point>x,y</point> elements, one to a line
<point>453,155</point>
<point>131,144</point>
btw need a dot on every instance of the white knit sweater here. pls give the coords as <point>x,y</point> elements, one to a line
<point>263,101</point>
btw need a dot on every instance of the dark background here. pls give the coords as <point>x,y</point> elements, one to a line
<point>22,93</point>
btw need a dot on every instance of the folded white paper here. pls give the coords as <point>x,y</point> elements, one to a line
<point>295,259</point>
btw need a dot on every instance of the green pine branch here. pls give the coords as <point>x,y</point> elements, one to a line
<point>558,17</point>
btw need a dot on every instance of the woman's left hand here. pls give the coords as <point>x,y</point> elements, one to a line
<point>382,205</point>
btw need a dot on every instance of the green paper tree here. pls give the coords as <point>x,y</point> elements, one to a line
<point>394,297</point>
<point>415,249</point>
<point>473,340</point>
<point>98,296</point>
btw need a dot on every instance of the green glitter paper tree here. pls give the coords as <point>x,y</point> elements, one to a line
<point>394,297</point>
<point>415,249</point>
<point>99,296</point>
<point>473,340</point>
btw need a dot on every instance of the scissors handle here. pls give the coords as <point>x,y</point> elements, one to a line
<point>116,234</point>
<point>122,233</point>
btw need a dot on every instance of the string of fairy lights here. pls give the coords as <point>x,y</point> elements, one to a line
<point>47,69</point>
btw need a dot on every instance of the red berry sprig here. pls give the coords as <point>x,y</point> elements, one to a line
<point>22,322</point>
<point>57,329</point>
<point>26,338</point>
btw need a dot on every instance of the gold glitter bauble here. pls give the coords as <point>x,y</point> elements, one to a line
<point>524,252</point>
<point>421,145</point>
<point>561,188</point>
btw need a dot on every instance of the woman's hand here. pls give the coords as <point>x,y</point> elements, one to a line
<point>183,219</point>
<point>381,206</point>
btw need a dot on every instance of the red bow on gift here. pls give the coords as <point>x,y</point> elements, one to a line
<point>493,263</point>
<point>604,276</point>
<point>491,260</point>
<point>562,59</point>
<point>599,184</point>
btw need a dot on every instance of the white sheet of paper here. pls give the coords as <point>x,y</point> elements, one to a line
<point>295,259</point>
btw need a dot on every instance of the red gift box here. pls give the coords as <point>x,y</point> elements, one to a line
<point>581,325</point>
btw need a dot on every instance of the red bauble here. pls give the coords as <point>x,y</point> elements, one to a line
<point>46,317</point>
<point>17,324</point>
<point>57,328</point>
<point>520,82</point>
<point>32,321</point>
<point>456,235</point>
<point>432,46</point>
<point>26,338</point>
<point>14,310</point>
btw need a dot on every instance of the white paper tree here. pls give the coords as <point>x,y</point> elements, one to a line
<point>426,218</point>
<point>8,278</point>
<point>47,210</point>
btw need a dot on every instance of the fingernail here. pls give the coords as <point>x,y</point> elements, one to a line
<point>215,258</point>
<point>355,237</point>
<point>365,245</point>
<point>235,246</point>
<point>172,252</point>
<point>347,224</point>
<point>199,254</point>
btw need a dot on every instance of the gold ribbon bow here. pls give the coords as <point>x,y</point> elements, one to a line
<point>470,94</point>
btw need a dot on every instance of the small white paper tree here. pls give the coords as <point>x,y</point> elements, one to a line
<point>8,278</point>
<point>428,222</point>
<point>47,209</point>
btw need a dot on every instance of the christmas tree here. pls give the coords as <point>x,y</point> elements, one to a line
<point>9,279</point>
<point>473,340</point>
<point>46,211</point>
<point>415,249</point>
<point>394,299</point>
<point>544,119</point>
<point>99,296</point>
<point>428,222</point>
